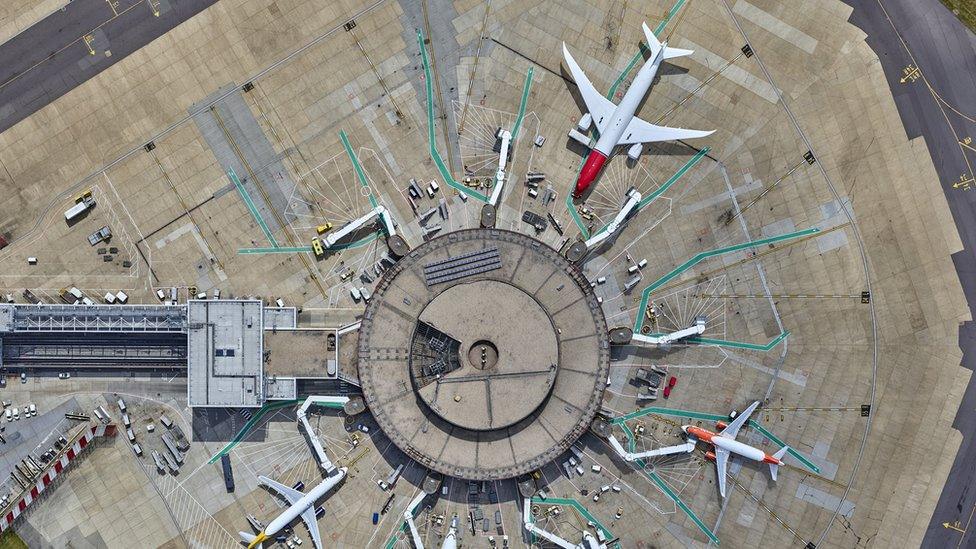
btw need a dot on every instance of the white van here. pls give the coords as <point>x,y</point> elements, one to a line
<point>31,411</point>
<point>9,414</point>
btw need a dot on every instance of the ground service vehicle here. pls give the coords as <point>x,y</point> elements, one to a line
<point>228,472</point>
<point>317,248</point>
<point>83,203</point>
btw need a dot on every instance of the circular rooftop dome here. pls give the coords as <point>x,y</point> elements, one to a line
<point>483,354</point>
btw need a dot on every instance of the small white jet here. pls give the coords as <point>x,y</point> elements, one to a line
<point>299,505</point>
<point>616,123</point>
<point>724,444</point>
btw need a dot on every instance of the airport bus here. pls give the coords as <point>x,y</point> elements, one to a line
<point>228,472</point>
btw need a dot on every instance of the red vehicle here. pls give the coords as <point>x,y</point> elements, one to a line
<point>672,382</point>
<point>667,391</point>
<point>3,242</point>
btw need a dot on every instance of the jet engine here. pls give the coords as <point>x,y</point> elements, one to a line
<point>634,151</point>
<point>584,122</point>
<point>710,456</point>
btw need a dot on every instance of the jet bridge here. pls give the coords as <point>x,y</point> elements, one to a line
<point>624,336</point>
<point>330,402</point>
<point>488,211</point>
<point>685,448</point>
<point>578,251</point>
<point>398,246</point>
<point>588,541</point>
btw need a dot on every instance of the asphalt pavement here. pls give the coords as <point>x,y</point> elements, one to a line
<point>938,102</point>
<point>74,44</point>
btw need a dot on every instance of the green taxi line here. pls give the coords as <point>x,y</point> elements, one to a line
<point>736,344</point>
<point>697,258</point>
<point>250,206</point>
<point>631,442</point>
<point>579,507</point>
<point>250,425</point>
<point>674,412</point>
<point>522,103</point>
<point>431,141</point>
<point>360,174</point>
<point>610,93</point>
<point>667,184</point>
<point>640,53</point>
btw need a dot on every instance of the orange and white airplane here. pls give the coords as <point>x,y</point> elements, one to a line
<point>724,444</point>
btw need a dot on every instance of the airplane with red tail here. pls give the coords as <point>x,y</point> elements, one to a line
<point>617,124</point>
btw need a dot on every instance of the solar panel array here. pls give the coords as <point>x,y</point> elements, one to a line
<point>464,265</point>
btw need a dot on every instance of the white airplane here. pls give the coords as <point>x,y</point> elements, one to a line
<point>300,505</point>
<point>616,123</point>
<point>725,444</point>
<point>450,541</point>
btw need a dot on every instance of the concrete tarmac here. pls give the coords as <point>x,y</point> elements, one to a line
<point>76,43</point>
<point>922,34</point>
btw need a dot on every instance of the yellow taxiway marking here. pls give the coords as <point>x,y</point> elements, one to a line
<point>89,38</point>
<point>968,143</point>
<point>911,74</point>
<point>965,182</point>
<point>953,526</point>
<point>154,6</point>
<point>113,4</point>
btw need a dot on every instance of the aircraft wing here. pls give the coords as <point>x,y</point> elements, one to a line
<point>721,466</point>
<point>639,131</point>
<point>733,428</point>
<point>599,106</point>
<point>290,494</point>
<point>311,522</point>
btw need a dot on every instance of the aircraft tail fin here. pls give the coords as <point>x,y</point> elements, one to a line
<point>252,540</point>
<point>655,45</point>
<point>774,467</point>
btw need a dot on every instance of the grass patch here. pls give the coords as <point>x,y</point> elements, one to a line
<point>965,10</point>
<point>10,540</point>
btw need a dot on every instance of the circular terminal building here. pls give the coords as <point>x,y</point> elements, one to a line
<point>483,354</point>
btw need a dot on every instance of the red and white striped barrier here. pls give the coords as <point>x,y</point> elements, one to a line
<point>18,505</point>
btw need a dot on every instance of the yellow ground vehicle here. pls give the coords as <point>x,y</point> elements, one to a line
<point>84,195</point>
<point>317,248</point>
<point>323,228</point>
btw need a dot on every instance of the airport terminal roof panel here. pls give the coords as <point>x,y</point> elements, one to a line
<point>6,318</point>
<point>491,374</point>
<point>92,318</point>
<point>300,353</point>
<point>225,353</point>
<point>280,318</point>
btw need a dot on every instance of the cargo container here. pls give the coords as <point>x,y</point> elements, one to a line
<point>171,446</point>
<point>86,203</point>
